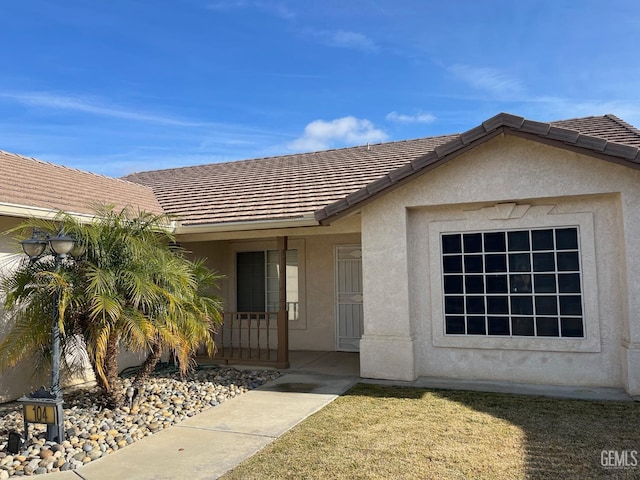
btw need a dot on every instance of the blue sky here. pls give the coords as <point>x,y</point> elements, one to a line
<point>118,86</point>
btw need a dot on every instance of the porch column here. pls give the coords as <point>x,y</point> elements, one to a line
<point>283,320</point>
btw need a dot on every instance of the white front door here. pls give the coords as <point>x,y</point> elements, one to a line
<point>350,319</point>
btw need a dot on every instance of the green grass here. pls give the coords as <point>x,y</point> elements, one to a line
<point>389,432</point>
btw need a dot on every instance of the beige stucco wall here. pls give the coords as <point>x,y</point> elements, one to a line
<point>403,308</point>
<point>315,330</point>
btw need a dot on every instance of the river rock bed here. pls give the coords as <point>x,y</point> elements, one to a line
<point>93,431</point>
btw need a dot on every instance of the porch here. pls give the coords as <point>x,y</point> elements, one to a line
<point>304,361</point>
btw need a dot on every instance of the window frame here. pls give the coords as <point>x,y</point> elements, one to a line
<point>298,244</point>
<point>536,218</point>
<point>270,280</point>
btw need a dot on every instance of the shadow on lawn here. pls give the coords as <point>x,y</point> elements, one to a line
<point>564,438</point>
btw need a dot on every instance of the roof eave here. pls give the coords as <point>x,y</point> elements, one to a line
<point>276,223</point>
<point>27,211</point>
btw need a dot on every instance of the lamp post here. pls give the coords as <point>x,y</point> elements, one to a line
<point>36,247</point>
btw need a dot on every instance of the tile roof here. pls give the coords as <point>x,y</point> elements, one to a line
<point>27,182</point>
<point>279,187</point>
<point>332,182</point>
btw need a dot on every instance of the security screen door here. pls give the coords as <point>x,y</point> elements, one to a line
<point>350,319</point>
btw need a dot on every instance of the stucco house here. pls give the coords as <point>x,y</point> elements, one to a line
<point>507,253</point>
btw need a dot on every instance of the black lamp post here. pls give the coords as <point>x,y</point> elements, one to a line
<point>59,246</point>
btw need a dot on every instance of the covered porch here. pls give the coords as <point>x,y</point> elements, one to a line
<point>305,361</point>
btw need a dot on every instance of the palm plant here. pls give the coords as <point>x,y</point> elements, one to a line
<point>131,288</point>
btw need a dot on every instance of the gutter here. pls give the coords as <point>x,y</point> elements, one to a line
<point>23,211</point>
<point>303,221</point>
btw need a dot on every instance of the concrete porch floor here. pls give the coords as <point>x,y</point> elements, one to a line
<point>346,364</point>
<point>326,363</point>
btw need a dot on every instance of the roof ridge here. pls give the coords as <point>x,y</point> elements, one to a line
<point>623,124</point>
<point>73,169</point>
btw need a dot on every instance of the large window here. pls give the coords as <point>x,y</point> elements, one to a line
<point>521,283</point>
<point>258,282</point>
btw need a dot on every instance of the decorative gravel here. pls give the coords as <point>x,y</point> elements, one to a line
<point>93,431</point>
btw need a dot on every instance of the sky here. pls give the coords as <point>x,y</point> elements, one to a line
<point>122,86</point>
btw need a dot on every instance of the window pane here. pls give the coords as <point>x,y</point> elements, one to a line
<point>566,239</point>
<point>494,242</point>
<point>569,282</point>
<point>273,284</point>
<point>250,282</point>
<point>497,284</point>
<point>473,263</point>
<point>454,305</point>
<point>570,305</point>
<point>454,325</point>
<point>476,326</point>
<point>543,262</point>
<point>519,262</point>
<point>547,326</point>
<point>475,305</point>
<point>542,240</point>
<point>495,263</point>
<point>520,283</point>
<point>472,242</point>
<point>522,305</point>
<point>452,243</point>
<point>568,261</point>
<point>498,325</point>
<point>546,305</point>
<point>452,264</point>
<point>518,241</point>
<point>497,305</point>
<point>453,284</point>
<point>522,326</point>
<point>571,327</point>
<point>474,284</point>
<point>544,283</point>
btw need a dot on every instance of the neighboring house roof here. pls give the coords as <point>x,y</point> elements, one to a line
<point>30,187</point>
<point>329,184</point>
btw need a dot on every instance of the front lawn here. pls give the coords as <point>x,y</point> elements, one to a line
<point>390,432</point>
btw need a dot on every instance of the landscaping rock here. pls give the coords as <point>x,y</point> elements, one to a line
<point>93,431</point>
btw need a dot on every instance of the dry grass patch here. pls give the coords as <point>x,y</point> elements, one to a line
<point>389,432</point>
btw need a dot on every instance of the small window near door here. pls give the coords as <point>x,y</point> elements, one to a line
<point>258,282</point>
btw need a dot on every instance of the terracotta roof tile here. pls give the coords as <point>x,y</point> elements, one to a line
<point>32,183</point>
<point>329,182</point>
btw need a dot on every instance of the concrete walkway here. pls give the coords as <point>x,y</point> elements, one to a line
<point>213,442</point>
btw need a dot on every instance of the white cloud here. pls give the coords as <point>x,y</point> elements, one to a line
<point>487,79</point>
<point>274,8</point>
<point>321,135</point>
<point>354,40</point>
<point>343,39</point>
<point>92,106</point>
<point>419,117</point>
<point>567,108</point>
